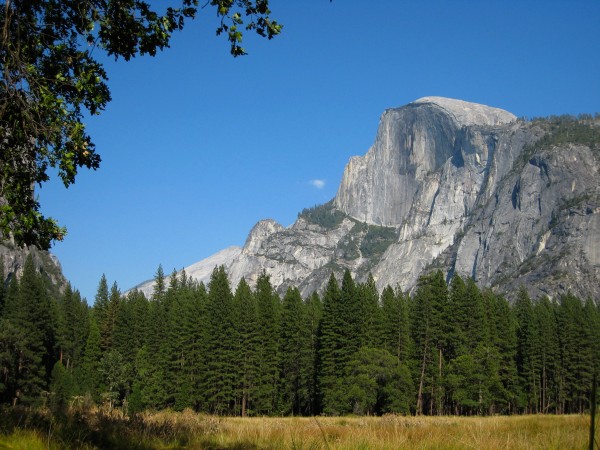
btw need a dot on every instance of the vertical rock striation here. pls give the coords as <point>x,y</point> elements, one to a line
<point>412,143</point>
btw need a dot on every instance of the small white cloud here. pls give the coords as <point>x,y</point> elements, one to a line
<point>319,184</point>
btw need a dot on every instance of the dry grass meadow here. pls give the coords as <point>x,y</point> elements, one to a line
<point>170,430</point>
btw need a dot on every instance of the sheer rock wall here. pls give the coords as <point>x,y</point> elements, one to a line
<point>459,183</point>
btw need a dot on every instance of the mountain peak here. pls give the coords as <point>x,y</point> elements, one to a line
<point>467,113</point>
<point>262,229</point>
<point>445,185</point>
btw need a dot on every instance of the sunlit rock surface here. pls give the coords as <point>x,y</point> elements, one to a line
<point>459,189</point>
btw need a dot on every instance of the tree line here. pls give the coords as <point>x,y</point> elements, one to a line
<point>447,349</point>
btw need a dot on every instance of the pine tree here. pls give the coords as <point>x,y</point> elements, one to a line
<point>464,379</point>
<point>15,358</point>
<point>171,293</point>
<point>372,316</point>
<point>219,381</point>
<point>138,310</point>
<point>160,287</point>
<point>12,344</point>
<point>577,359</point>
<point>35,319</point>
<point>268,319</point>
<point>113,372</point>
<point>181,336</point>
<point>592,317</point>
<point>295,362</point>
<point>198,318</point>
<point>151,359</point>
<point>526,356</point>
<point>130,337</point>
<point>314,313</point>
<point>102,314</point>
<point>11,301</point>
<point>377,384</point>
<point>171,352</point>
<point>476,321</point>
<point>429,334</point>
<point>468,344</point>
<point>457,317</point>
<point>502,334</point>
<point>61,386</point>
<point>124,328</point>
<point>114,303</point>
<point>247,346</point>
<point>466,321</point>
<point>546,326</point>
<point>395,328</point>
<point>491,390</point>
<point>352,319</point>
<point>333,354</point>
<point>73,328</point>
<point>89,380</point>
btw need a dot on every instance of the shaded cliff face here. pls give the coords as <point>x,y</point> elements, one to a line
<point>13,259</point>
<point>541,228</point>
<point>452,185</point>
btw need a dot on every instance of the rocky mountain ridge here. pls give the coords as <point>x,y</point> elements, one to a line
<point>452,185</point>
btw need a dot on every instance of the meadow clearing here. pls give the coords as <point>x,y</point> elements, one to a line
<point>173,430</point>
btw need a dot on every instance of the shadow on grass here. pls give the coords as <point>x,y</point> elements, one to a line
<point>96,429</point>
<point>84,430</point>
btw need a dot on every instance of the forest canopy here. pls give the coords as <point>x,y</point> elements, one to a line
<point>445,350</point>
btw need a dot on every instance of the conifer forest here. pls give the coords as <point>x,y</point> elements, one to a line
<point>447,349</point>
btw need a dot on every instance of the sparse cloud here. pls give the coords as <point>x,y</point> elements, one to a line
<point>319,184</point>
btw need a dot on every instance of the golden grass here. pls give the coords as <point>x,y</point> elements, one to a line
<point>393,432</point>
<point>388,432</point>
<point>171,430</point>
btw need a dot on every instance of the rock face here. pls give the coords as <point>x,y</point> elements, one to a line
<point>541,228</point>
<point>452,185</point>
<point>47,264</point>
<point>412,142</point>
<point>12,259</point>
<point>303,255</point>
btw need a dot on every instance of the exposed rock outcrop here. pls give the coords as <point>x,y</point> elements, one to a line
<point>412,143</point>
<point>46,263</point>
<point>453,185</point>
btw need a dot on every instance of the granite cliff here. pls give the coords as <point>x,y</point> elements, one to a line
<point>13,260</point>
<point>453,185</point>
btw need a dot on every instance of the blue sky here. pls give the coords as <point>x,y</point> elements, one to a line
<point>198,146</point>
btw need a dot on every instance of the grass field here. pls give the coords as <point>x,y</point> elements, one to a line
<point>170,430</point>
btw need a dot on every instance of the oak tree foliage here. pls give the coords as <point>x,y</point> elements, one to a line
<point>50,78</point>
